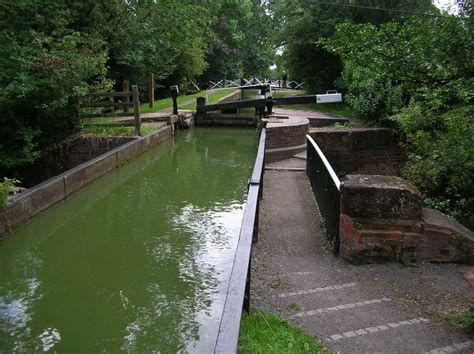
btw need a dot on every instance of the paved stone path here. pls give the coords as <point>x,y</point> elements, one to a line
<point>351,309</point>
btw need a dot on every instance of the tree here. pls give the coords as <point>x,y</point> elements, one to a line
<point>242,46</point>
<point>301,24</point>
<point>419,75</point>
<point>45,64</point>
<point>53,51</point>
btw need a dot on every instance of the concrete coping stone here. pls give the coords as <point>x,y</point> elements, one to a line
<point>353,130</point>
<point>378,182</point>
<point>435,218</point>
<point>290,121</point>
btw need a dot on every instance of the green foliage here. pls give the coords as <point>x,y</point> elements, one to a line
<point>242,46</point>
<point>294,306</point>
<point>440,159</point>
<point>52,51</point>
<point>6,187</point>
<point>386,66</point>
<point>300,25</point>
<point>45,64</point>
<point>418,77</point>
<point>265,333</point>
<point>370,97</point>
<point>344,126</point>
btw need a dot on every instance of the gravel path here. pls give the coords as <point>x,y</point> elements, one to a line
<point>352,309</point>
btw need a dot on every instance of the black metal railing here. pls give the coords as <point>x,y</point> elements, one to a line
<point>326,188</point>
<point>238,293</point>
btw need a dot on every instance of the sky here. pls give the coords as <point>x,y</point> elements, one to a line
<point>446,5</point>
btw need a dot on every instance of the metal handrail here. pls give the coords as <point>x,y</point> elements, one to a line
<point>326,187</point>
<point>328,166</point>
<point>238,292</point>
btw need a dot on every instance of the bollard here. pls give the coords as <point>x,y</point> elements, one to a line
<point>174,95</point>
<point>200,102</point>
<point>269,105</point>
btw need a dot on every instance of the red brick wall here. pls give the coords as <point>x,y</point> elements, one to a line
<point>381,220</point>
<point>286,136</point>
<point>444,239</point>
<point>361,151</point>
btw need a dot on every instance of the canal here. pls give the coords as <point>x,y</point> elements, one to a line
<point>138,261</point>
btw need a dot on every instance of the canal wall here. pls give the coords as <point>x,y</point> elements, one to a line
<point>70,154</point>
<point>39,198</point>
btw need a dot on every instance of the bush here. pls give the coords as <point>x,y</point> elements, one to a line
<point>5,188</point>
<point>372,98</point>
<point>440,160</point>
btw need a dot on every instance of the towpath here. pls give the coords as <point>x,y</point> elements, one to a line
<point>351,309</point>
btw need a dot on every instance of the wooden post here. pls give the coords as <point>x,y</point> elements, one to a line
<point>269,105</point>
<point>151,95</point>
<point>174,95</point>
<point>200,101</point>
<point>136,108</point>
<point>126,88</point>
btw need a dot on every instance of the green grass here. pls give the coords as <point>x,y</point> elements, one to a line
<point>212,97</point>
<point>166,103</point>
<point>340,109</point>
<point>105,120</point>
<point>275,284</point>
<point>464,320</point>
<point>280,94</point>
<point>145,129</point>
<point>266,333</point>
<point>294,306</point>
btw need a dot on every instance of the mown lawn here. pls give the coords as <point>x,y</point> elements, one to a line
<point>97,130</point>
<point>213,97</point>
<point>340,109</point>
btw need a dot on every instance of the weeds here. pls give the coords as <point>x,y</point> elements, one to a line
<point>464,320</point>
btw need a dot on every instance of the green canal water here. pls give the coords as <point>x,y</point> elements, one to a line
<point>137,262</point>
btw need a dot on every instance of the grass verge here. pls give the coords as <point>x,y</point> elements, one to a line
<point>339,109</point>
<point>166,103</point>
<point>212,97</point>
<point>144,130</point>
<point>266,333</point>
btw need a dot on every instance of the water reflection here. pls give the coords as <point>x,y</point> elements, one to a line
<point>16,305</point>
<point>137,262</point>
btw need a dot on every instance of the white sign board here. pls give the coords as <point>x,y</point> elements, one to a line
<point>329,97</point>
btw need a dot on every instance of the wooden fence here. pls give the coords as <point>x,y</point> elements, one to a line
<point>106,104</point>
